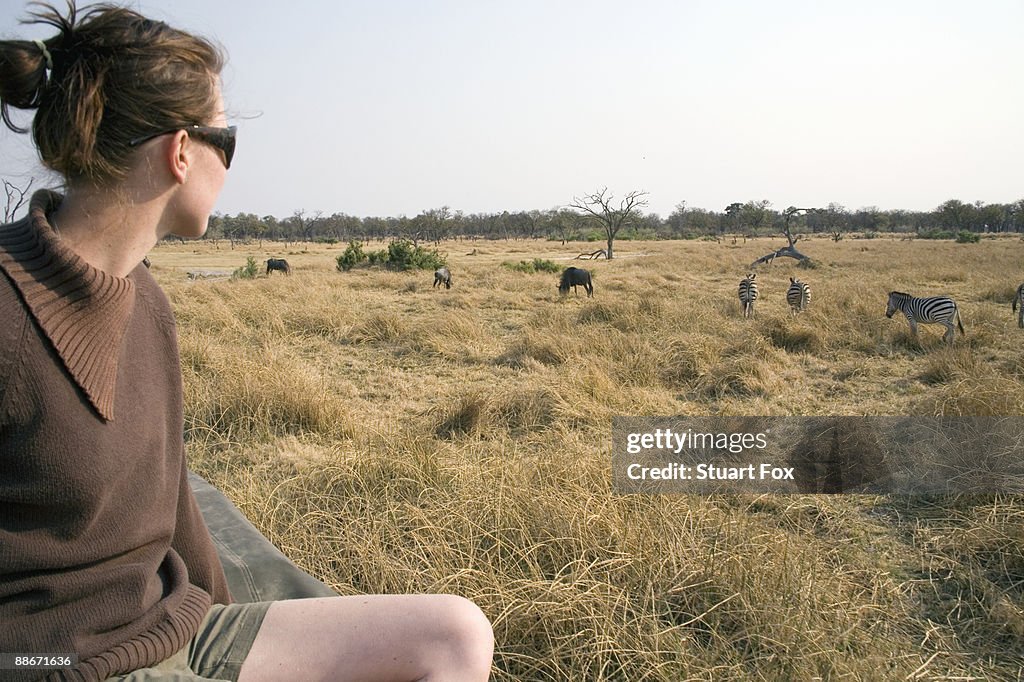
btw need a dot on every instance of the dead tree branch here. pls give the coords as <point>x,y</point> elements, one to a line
<point>16,197</point>
<point>789,250</point>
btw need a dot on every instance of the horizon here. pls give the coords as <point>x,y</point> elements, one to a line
<point>392,109</point>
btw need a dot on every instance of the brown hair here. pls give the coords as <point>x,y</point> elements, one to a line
<point>115,76</point>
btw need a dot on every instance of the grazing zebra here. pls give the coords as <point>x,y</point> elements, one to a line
<point>930,310</point>
<point>798,295</point>
<point>1018,300</point>
<point>748,294</point>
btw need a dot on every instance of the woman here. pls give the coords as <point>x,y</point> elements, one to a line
<point>103,552</point>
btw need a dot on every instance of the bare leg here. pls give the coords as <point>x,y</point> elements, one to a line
<point>372,637</point>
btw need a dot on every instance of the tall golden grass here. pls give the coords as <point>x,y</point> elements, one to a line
<point>391,437</point>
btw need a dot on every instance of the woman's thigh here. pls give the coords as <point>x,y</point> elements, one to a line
<point>371,637</point>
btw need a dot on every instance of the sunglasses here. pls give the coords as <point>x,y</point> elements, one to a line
<point>221,138</point>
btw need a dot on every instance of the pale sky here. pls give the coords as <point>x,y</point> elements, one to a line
<point>388,108</point>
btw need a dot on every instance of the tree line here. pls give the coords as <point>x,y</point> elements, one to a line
<point>594,217</point>
<point>751,218</point>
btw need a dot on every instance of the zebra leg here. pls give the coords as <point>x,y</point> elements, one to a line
<point>950,332</point>
<point>1020,317</point>
<point>913,326</point>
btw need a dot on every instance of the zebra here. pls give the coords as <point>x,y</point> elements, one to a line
<point>748,294</point>
<point>798,295</point>
<point>1018,300</point>
<point>929,310</point>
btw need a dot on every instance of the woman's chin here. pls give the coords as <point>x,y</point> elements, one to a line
<point>190,231</point>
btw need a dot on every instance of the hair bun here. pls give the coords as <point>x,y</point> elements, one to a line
<point>23,77</point>
<point>106,77</point>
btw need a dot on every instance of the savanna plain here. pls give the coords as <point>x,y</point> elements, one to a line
<point>393,437</point>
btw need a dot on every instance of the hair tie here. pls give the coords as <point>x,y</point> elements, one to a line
<point>46,53</point>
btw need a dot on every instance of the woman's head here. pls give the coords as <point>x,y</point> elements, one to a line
<point>109,77</point>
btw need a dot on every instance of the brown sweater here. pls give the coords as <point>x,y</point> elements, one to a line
<point>103,551</point>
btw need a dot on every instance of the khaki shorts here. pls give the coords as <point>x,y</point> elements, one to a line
<point>216,652</point>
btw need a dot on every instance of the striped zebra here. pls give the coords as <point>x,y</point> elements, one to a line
<point>798,295</point>
<point>929,310</point>
<point>1018,300</point>
<point>748,294</point>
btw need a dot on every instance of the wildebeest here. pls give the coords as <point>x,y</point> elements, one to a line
<point>573,277</point>
<point>442,276</point>
<point>278,264</point>
<point>1018,300</point>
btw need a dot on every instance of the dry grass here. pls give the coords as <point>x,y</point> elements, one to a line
<point>391,437</point>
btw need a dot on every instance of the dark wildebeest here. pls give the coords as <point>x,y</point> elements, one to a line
<point>278,264</point>
<point>442,276</point>
<point>1018,299</point>
<point>573,277</point>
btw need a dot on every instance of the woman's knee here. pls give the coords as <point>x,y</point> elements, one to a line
<point>468,635</point>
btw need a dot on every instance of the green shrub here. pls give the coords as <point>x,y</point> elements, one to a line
<point>404,255</point>
<point>401,254</point>
<point>536,265</point>
<point>967,237</point>
<point>352,257</point>
<point>248,272</point>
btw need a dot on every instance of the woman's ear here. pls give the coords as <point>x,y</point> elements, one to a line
<point>178,156</point>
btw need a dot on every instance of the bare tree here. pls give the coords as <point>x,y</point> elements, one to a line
<point>836,219</point>
<point>790,249</point>
<point>435,224</point>
<point>16,197</point>
<point>598,205</point>
<point>565,223</point>
<point>306,228</point>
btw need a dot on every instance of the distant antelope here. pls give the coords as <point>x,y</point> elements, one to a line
<point>798,295</point>
<point>748,294</point>
<point>929,310</point>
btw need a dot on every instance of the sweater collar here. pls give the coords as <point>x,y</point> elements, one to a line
<point>83,311</point>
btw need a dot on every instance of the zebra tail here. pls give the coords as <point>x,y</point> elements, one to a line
<point>959,323</point>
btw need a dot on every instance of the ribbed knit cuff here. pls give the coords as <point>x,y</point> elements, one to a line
<point>146,649</point>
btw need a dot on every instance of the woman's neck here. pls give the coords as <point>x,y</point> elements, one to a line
<point>107,228</point>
